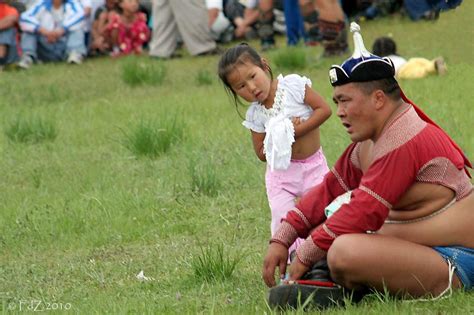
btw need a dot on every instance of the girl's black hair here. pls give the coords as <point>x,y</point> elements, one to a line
<point>384,46</point>
<point>238,55</point>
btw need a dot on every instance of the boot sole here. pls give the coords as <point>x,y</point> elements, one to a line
<point>306,296</point>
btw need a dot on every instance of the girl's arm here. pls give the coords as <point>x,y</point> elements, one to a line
<point>257,139</point>
<point>321,112</point>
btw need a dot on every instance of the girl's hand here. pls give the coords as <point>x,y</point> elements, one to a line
<point>296,121</point>
<point>297,124</point>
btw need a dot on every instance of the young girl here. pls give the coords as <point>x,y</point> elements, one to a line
<point>128,30</point>
<point>284,118</point>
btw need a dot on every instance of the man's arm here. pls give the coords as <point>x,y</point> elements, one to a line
<point>381,186</point>
<point>29,19</point>
<point>74,17</point>
<point>8,21</point>
<point>308,214</point>
<point>250,17</point>
<point>212,14</point>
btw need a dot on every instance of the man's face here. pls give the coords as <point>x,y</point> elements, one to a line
<point>356,111</point>
<point>57,3</point>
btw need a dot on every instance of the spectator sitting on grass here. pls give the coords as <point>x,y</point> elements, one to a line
<point>413,68</point>
<point>428,9</point>
<point>87,6</point>
<point>101,42</point>
<point>52,31</point>
<point>244,17</point>
<point>128,30</point>
<point>220,26</point>
<point>8,22</point>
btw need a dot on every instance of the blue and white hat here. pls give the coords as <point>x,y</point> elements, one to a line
<point>362,66</point>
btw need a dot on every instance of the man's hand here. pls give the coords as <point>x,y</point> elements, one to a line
<point>52,36</point>
<point>297,269</point>
<point>57,34</point>
<point>277,256</point>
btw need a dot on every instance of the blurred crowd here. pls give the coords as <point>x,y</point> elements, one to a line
<point>33,31</point>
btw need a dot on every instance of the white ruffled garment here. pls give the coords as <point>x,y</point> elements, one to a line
<point>280,135</point>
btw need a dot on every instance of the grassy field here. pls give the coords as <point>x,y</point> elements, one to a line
<point>95,188</point>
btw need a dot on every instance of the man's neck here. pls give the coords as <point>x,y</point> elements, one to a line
<point>398,108</point>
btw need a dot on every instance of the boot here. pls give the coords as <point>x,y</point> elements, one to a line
<point>265,31</point>
<point>334,36</point>
<point>314,290</point>
<point>311,26</point>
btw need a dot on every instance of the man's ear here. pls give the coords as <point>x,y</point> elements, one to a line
<point>379,98</point>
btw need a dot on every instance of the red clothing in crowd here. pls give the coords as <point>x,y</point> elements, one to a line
<point>131,37</point>
<point>6,10</point>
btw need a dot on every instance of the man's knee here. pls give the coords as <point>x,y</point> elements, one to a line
<point>342,257</point>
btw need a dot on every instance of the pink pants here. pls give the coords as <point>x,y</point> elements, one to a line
<point>284,187</point>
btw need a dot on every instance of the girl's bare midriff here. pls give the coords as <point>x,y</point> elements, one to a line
<point>306,145</point>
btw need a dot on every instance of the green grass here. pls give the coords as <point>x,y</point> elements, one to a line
<point>30,130</point>
<point>214,264</point>
<point>81,216</point>
<point>291,58</point>
<point>137,71</point>
<point>204,77</point>
<point>204,177</point>
<point>152,139</point>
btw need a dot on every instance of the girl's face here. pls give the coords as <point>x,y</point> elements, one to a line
<point>129,5</point>
<point>250,82</point>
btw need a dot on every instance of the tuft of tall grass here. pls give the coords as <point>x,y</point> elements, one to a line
<point>153,138</point>
<point>138,71</point>
<point>204,178</point>
<point>291,58</point>
<point>31,130</point>
<point>203,77</point>
<point>213,264</point>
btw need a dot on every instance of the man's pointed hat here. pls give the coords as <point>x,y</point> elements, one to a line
<point>362,66</point>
